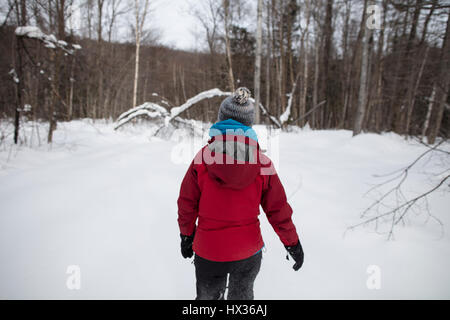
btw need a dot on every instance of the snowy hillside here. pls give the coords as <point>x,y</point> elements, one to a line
<point>106,201</point>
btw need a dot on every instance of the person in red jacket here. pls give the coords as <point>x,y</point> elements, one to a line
<point>219,201</point>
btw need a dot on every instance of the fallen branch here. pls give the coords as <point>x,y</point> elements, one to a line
<point>317,106</point>
<point>154,110</point>
<point>403,205</point>
<point>403,210</point>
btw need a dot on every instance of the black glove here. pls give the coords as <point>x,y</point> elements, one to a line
<point>296,253</point>
<point>186,245</point>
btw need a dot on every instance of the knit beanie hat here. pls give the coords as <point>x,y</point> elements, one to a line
<point>238,107</point>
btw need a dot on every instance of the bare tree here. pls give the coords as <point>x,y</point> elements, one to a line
<point>381,211</point>
<point>409,94</point>
<point>362,96</point>
<point>268,54</point>
<point>114,11</point>
<point>207,12</point>
<point>257,91</point>
<point>443,83</point>
<point>17,74</point>
<point>305,53</point>
<point>326,59</point>
<point>429,111</point>
<point>99,59</point>
<point>140,20</point>
<point>226,20</point>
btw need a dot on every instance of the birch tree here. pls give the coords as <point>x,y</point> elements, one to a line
<point>97,110</point>
<point>305,49</point>
<point>257,91</point>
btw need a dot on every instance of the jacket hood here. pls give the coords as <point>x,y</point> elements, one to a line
<point>232,161</point>
<point>231,156</point>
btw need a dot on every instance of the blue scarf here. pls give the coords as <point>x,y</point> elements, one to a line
<point>231,126</point>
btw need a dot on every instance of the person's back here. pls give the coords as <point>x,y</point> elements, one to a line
<point>222,190</point>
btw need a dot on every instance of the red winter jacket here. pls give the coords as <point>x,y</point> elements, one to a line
<point>225,184</point>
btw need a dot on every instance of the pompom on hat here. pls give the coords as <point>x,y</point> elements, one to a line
<point>238,107</point>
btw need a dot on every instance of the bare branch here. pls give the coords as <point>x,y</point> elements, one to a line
<point>397,213</point>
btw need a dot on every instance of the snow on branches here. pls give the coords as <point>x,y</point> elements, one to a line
<point>149,109</point>
<point>190,102</point>
<point>49,41</point>
<point>156,111</point>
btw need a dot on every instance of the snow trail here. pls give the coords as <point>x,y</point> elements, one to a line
<point>106,201</point>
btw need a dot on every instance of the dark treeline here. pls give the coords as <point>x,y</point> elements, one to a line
<point>355,67</point>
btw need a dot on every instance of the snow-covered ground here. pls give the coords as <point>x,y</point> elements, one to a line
<point>106,201</point>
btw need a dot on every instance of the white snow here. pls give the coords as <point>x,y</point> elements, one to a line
<point>163,113</point>
<point>50,41</point>
<point>149,109</point>
<point>30,31</point>
<point>105,201</point>
<point>13,74</point>
<point>287,112</point>
<point>176,111</point>
<point>285,115</point>
<point>36,33</point>
<point>50,45</point>
<point>203,95</point>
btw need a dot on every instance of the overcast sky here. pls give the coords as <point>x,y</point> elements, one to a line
<point>171,18</point>
<point>177,26</point>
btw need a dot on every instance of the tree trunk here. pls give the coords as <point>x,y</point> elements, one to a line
<point>139,27</point>
<point>19,85</point>
<point>402,104</point>
<point>328,38</point>
<point>305,45</point>
<point>268,58</point>
<point>346,62</point>
<point>136,64</point>
<point>362,96</point>
<point>282,64</point>
<point>379,69</point>
<point>21,15</point>
<point>443,85</point>
<point>54,58</point>
<point>429,111</point>
<point>72,81</point>
<point>226,7</point>
<point>99,58</point>
<point>316,81</point>
<point>412,92</point>
<point>258,54</point>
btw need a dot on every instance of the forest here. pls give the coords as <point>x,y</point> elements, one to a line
<point>362,65</point>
